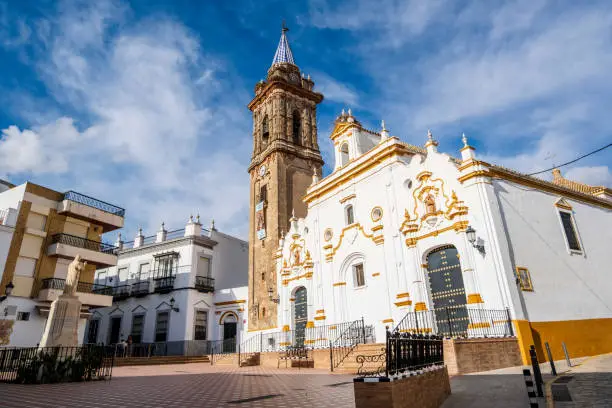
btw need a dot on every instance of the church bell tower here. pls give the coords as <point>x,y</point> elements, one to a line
<point>285,156</point>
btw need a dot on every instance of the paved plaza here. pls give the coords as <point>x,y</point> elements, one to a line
<point>203,385</point>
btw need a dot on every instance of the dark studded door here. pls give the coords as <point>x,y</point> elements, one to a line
<point>448,291</point>
<point>300,316</point>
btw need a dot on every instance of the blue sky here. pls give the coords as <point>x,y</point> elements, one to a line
<point>143,103</point>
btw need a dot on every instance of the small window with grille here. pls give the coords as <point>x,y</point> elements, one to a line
<point>569,228</point>
<point>358,275</point>
<point>201,324</point>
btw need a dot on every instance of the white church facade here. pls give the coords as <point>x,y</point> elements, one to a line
<point>397,228</point>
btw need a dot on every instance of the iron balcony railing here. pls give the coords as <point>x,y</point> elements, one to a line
<point>83,287</point>
<point>84,243</point>
<point>204,284</point>
<point>164,285</point>
<point>141,288</point>
<point>121,292</point>
<point>94,203</point>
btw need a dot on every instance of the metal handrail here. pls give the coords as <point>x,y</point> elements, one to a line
<point>94,203</point>
<point>346,343</point>
<point>84,243</point>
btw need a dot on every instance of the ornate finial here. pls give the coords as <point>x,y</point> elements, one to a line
<point>464,140</point>
<point>212,225</point>
<point>119,237</point>
<point>293,213</point>
<point>384,133</point>
<point>139,230</point>
<point>382,124</point>
<point>309,77</point>
<point>191,219</point>
<point>429,135</point>
<point>350,112</point>
<point>343,113</point>
<point>284,28</point>
<point>198,218</point>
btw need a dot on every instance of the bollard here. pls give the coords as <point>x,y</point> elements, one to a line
<point>537,374</point>
<point>567,358</point>
<point>533,402</point>
<point>553,370</point>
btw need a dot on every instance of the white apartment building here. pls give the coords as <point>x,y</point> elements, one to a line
<point>174,287</point>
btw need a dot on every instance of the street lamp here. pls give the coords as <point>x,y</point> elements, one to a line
<point>8,289</point>
<point>271,296</point>
<point>172,301</point>
<point>471,236</point>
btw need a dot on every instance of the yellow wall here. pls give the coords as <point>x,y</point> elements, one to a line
<point>586,337</point>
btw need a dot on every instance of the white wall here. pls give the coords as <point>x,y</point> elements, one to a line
<point>566,286</point>
<point>6,235</point>
<point>230,266</point>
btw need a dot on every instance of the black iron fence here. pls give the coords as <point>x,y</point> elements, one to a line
<point>94,203</point>
<point>121,292</point>
<point>222,349</point>
<point>190,348</point>
<point>346,342</point>
<point>410,352</point>
<point>34,365</point>
<point>164,285</point>
<point>84,243</point>
<point>451,322</point>
<point>83,287</point>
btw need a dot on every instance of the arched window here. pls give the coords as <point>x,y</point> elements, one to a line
<point>430,205</point>
<point>296,127</point>
<point>265,132</point>
<point>344,154</point>
<point>350,217</point>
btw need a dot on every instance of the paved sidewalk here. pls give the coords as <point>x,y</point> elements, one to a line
<point>589,384</point>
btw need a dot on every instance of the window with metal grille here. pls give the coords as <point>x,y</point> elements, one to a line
<point>201,323</point>
<point>359,275</point>
<point>92,331</point>
<point>161,327</point>
<point>137,328</point>
<point>204,266</point>
<point>570,231</point>
<point>23,316</point>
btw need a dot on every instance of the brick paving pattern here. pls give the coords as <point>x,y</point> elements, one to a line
<point>190,385</point>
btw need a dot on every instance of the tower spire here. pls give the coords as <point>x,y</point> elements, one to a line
<point>283,53</point>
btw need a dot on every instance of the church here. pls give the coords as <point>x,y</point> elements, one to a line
<point>401,229</point>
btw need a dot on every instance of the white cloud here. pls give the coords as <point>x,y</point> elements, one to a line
<point>515,16</point>
<point>592,175</point>
<point>141,133</point>
<point>336,91</point>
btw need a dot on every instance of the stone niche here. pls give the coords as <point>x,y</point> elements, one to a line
<point>428,389</point>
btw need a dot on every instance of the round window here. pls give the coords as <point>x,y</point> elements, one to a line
<point>328,234</point>
<point>376,214</point>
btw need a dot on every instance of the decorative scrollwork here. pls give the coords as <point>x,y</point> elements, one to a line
<point>371,365</point>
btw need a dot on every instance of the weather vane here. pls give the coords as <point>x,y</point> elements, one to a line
<point>285,28</point>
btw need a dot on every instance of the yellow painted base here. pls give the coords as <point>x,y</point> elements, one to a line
<point>310,324</point>
<point>474,298</point>
<point>286,328</point>
<point>481,325</point>
<point>586,337</point>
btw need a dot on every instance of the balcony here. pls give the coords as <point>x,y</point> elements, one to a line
<point>97,253</point>
<point>204,284</point>
<point>89,294</point>
<point>121,292</point>
<point>164,285</point>
<point>140,289</point>
<point>90,209</point>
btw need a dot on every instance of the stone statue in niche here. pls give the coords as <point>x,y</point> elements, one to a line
<point>296,256</point>
<point>430,205</point>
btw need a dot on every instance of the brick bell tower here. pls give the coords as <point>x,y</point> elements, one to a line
<point>285,156</point>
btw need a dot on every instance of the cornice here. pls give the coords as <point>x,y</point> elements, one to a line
<point>172,243</point>
<point>283,146</point>
<point>311,95</point>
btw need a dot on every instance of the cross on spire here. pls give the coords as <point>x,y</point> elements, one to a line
<point>283,53</point>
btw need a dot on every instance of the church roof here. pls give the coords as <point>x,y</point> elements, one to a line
<point>559,180</point>
<point>283,53</point>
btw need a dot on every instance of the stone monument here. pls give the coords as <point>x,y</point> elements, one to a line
<point>63,323</point>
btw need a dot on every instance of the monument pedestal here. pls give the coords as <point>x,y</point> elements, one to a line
<point>62,327</point>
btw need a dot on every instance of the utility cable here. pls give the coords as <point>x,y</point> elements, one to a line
<point>573,161</point>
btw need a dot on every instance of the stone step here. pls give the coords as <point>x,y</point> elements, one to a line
<point>119,362</point>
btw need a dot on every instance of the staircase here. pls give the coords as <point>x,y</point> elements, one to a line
<point>350,366</point>
<point>226,359</point>
<point>139,361</point>
<point>249,360</point>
